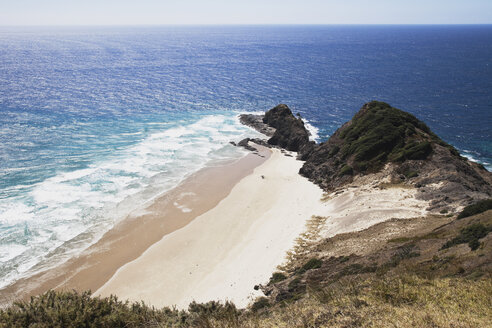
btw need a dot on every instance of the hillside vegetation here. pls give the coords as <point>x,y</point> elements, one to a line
<point>376,135</point>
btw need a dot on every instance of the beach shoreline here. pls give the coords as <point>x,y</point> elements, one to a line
<point>130,237</point>
<point>225,252</point>
<point>220,233</point>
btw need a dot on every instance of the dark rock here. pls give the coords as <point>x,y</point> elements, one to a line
<point>244,143</point>
<point>261,142</point>
<point>290,132</point>
<point>256,122</point>
<point>233,143</point>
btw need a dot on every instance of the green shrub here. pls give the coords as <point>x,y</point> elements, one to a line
<point>470,235</point>
<point>477,208</point>
<point>346,170</point>
<point>277,277</point>
<point>334,151</point>
<point>361,166</point>
<point>313,263</point>
<point>260,303</point>
<point>381,133</point>
<point>474,244</point>
<point>71,309</point>
<point>357,268</point>
<point>411,174</point>
<point>402,253</point>
<point>213,309</point>
<point>294,283</point>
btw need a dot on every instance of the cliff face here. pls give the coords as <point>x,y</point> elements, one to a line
<point>380,138</point>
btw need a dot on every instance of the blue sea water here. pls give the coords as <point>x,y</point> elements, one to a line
<point>96,122</point>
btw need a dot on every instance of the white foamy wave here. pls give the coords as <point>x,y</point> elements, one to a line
<point>57,212</point>
<point>313,131</point>
<point>257,112</point>
<point>470,155</point>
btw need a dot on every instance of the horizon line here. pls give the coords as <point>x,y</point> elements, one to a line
<point>247,24</point>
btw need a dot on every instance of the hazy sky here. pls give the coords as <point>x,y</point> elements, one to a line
<point>150,12</point>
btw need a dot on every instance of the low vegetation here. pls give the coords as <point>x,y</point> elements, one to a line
<point>382,133</point>
<point>389,301</point>
<point>277,277</point>
<point>71,309</point>
<point>476,208</point>
<point>379,134</point>
<point>400,301</point>
<point>469,235</point>
<point>313,263</point>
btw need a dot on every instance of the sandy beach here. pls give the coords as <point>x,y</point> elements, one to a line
<point>225,252</point>
<point>129,238</point>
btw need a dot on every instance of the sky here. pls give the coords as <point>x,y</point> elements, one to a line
<point>197,12</point>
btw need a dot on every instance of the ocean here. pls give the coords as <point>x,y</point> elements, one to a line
<point>96,122</point>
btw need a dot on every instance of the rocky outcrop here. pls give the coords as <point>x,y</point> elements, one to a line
<point>378,134</point>
<point>284,129</point>
<point>446,180</point>
<point>245,143</point>
<point>380,138</point>
<point>290,132</point>
<point>256,122</point>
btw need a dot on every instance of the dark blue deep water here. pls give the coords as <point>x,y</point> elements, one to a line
<point>94,121</point>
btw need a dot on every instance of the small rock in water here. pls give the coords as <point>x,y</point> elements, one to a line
<point>244,143</point>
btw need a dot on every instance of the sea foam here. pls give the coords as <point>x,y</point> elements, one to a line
<point>63,214</point>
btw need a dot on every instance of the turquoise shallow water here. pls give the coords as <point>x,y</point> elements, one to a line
<point>96,122</point>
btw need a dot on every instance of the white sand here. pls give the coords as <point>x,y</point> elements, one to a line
<point>364,204</point>
<point>224,253</point>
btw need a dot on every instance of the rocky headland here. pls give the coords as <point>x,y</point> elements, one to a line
<point>382,140</point>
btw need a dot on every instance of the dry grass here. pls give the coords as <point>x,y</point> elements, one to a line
<point>304,243</point>
<point>404,301</point>
<point>395,185</point>
<point>391,301</point>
